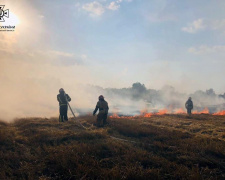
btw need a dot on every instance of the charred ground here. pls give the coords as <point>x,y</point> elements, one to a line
<point>159,147</point>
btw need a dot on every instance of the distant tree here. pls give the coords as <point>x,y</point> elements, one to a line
<point>222,96</point>
<point>210,92</point>
<point>139,87</point>
<point>138,90</point>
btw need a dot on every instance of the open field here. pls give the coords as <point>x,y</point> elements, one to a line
<point>159,147</point>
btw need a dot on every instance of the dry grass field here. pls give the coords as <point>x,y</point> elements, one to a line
<point>159,147</point>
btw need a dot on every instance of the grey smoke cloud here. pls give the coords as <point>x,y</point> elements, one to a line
<point>129,101</point>
<point>29,89</point>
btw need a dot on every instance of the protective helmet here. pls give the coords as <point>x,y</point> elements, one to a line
<point>101,97</point>
<point>189,98</point>
<point>61,90</point>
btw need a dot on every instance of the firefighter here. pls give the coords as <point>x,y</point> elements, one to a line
<point>103,108</point>
<point>63,98</point>
<point>189,105</point>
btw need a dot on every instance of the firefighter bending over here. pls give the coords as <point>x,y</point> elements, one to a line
<point>189,105</point>
<point>102,105</point>
<point>63,98</point>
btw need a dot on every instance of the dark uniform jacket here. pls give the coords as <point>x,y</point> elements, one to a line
<point>63,98</point>
<point>102,105</point>
<point>189,104</point>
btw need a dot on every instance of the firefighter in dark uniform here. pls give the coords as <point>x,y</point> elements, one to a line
<point>189,105</point>
<point>63,98</point>
<point>103,108</point>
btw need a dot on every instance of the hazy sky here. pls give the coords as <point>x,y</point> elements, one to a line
<point>115,43</point>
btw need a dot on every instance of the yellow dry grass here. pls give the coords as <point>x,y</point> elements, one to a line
<point>160,147</point>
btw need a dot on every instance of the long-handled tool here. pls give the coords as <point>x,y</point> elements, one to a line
<point>73,112</point>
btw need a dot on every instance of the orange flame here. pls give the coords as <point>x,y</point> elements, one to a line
<point>162,112</point>
<point>146,114</point>
<point>221,113</point>
<point>115,115</point>
<point>204,111</point>
<point>179,111</point>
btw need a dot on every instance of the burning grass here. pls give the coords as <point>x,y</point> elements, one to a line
<point>145,113</point>
<point>156,147</point>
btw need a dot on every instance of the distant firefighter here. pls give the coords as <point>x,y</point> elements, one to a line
<point>103,108</point>
<point>189,105</point>
<point>63,98</point>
